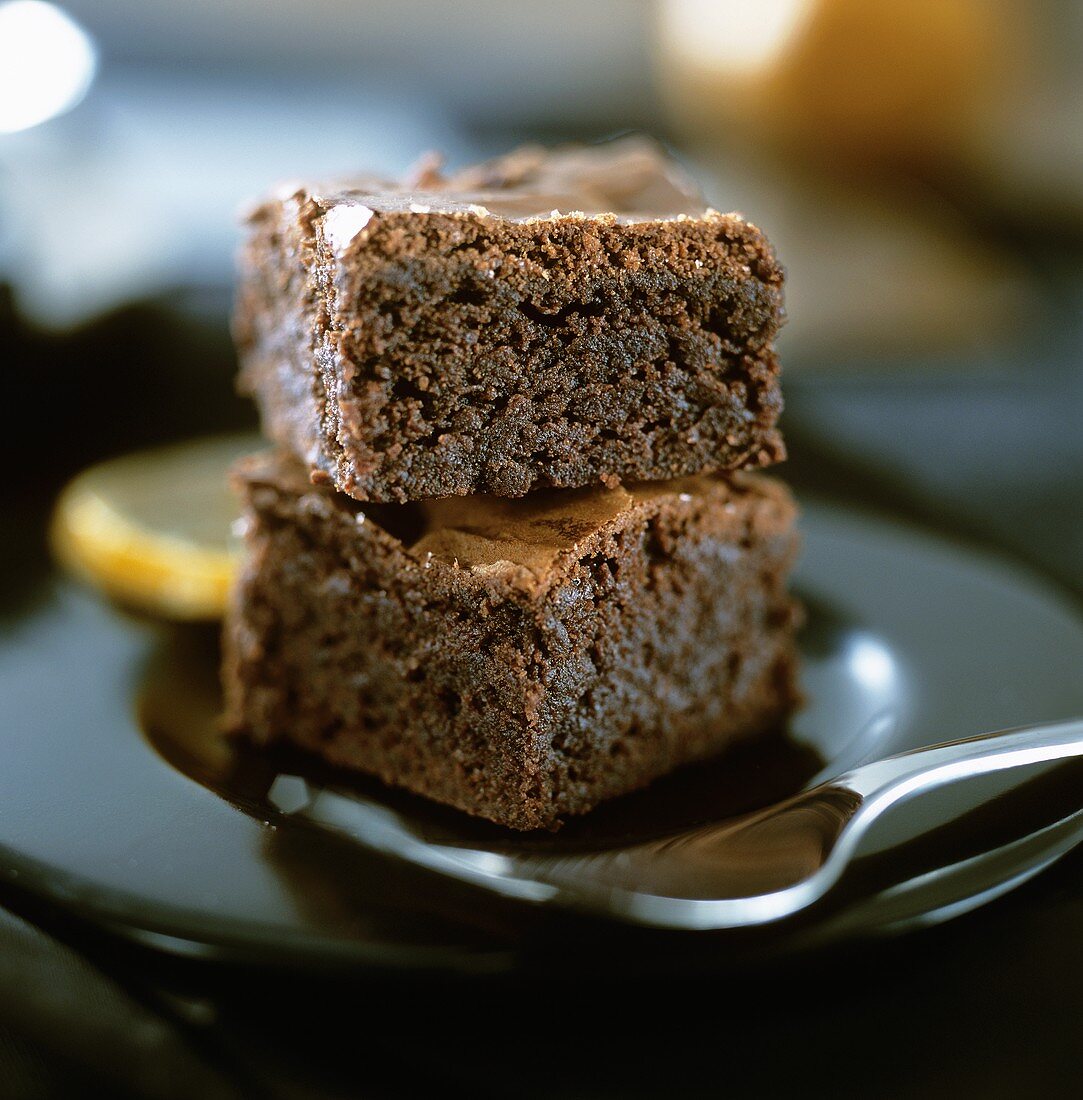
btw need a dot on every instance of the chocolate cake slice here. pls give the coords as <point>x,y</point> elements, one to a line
<point>549,319</point>
<point>521,660</point>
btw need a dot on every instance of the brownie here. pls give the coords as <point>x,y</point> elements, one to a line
<point>549,319</point>
<point>521,660</point>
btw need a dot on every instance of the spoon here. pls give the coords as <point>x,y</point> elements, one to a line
<point>921,836</point>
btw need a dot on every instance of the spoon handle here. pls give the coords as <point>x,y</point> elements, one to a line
<point>884,782</point>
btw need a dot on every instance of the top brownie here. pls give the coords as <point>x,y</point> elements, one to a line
<point>548,319</point>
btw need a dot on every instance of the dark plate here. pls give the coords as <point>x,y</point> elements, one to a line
<point>120,802</point>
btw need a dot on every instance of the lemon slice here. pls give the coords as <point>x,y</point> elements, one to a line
<point>156,530</point>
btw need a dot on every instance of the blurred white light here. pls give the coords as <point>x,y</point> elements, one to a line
<point>743,35</point>
<point>47,62</point>
<point>871,663</point>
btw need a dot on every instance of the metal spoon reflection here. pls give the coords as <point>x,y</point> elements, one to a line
<point>782,861</point>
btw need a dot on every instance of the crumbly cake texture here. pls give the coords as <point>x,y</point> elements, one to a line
<point>521,660</point>
<point>550,319</point>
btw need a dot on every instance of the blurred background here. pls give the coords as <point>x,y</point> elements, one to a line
<point>919,166</point>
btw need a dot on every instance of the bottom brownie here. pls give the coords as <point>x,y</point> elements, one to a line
<point>519,659</point>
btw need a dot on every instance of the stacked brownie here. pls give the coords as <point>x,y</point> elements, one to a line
<point>507,553</point>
